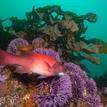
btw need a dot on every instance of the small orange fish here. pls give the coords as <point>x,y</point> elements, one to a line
<point>26,49</point>
<point>33,63</point>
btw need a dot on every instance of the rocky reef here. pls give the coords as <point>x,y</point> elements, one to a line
<point>60,34</point>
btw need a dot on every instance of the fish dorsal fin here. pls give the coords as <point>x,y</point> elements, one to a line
<point>26,54</point>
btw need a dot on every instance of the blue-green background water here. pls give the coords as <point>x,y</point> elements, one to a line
<point>18,8</point>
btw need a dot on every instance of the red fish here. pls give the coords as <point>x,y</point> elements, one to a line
<point>33,63</point>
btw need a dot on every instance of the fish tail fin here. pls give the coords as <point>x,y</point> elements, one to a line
<point>2,57</point>
<point>6,58</point>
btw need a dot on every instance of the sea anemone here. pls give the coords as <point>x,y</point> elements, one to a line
<point>73,68</point>
<point>83,87</point>
<point>2,77</point>
<point>48,52</point>
<point>60,93</point>
<point>94,101</point>
<point>78,87</point>
<point>91,87</point>
<point>1,68</point>
<point>15,44</point>
<point>38,43</point>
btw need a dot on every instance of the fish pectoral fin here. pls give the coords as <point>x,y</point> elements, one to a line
<point>42,77</point>
<point>49,67</point>
<point>19,69</point>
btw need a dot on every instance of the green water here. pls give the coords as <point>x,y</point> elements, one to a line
<point>18,8</point>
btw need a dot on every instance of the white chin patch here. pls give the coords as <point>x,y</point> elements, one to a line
<point>61,73</point>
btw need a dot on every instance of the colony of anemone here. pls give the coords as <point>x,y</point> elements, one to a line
<point>73,87</point>
<point>60,34</point>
